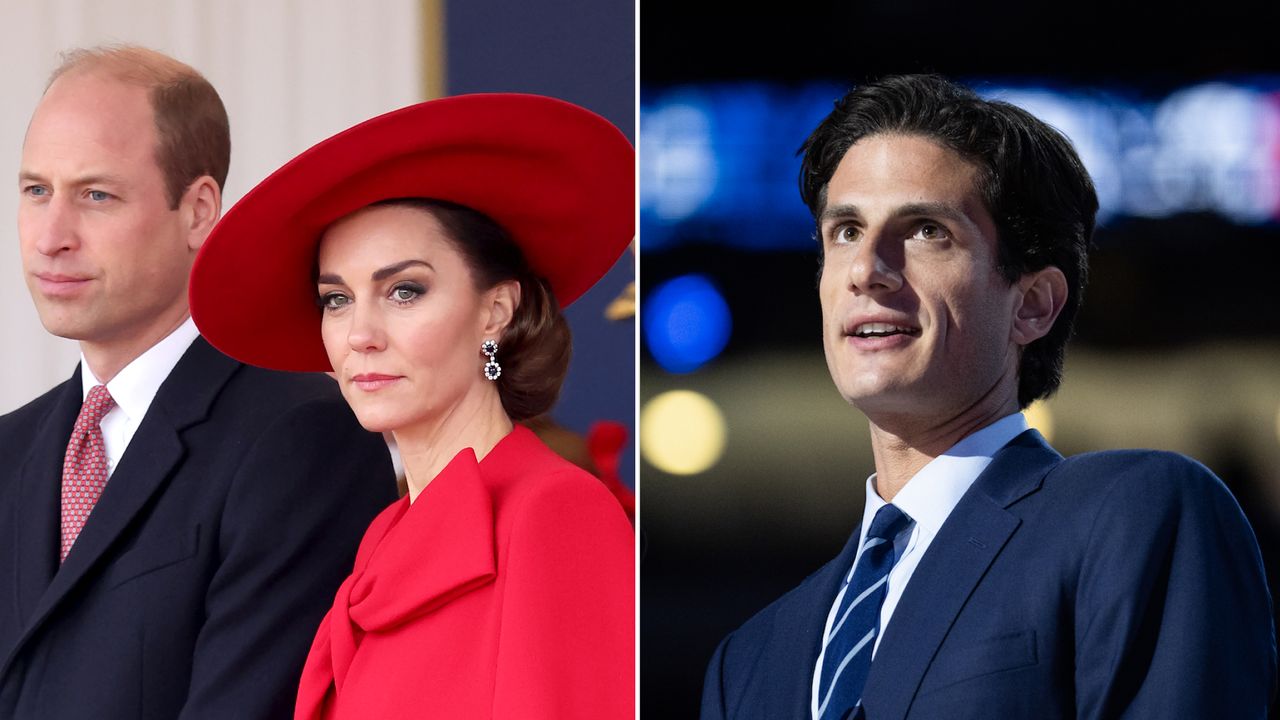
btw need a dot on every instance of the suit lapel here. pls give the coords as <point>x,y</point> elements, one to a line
<point>786,681</point>
<point>39,498</point>
<point>969,541</point>
<point>156,449</point>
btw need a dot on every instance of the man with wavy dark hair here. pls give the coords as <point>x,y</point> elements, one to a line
<point>990,577</point>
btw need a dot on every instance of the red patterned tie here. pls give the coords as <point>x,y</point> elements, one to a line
<point>84,469</point>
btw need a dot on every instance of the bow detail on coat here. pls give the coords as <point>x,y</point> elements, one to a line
<point>452,553</point>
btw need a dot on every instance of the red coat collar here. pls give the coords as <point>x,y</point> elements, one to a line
<point>428,552</point>
<point>417,557</point>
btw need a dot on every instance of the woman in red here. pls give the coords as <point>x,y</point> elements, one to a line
<point>423,256</point>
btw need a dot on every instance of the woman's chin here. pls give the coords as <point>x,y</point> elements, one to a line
<point>378,422</point>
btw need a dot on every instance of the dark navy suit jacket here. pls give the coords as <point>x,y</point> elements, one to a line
<point>1109,585</point>
<point>198,581</point>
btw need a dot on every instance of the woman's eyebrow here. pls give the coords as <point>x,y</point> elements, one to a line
<point>379,274</point>
<point>390,270</point>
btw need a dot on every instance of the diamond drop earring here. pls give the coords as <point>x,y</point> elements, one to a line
<point>492,370</point>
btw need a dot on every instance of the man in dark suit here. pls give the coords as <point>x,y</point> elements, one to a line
<point>173,524</point>
<point>990,577</point>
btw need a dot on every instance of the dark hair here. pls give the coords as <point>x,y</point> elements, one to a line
<point>1034,185</point>
<point>535,347</point>
<point>191,122</point>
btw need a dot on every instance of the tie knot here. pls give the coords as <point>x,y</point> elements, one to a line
<point>888,522</point>
<point>97,404</point>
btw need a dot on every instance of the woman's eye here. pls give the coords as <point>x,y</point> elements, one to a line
<point>406,293</point>
<point>334,301</point>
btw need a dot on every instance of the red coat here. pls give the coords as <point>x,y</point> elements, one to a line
<point>507,590</point>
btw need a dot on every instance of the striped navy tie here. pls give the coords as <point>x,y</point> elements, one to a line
<point>847,647</point>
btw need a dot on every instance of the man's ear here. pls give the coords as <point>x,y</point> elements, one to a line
<point>501,302</point>
<point>1042,294</point>
<point>201,205</point>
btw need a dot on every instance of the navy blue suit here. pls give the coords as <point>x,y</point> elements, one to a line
<point>198,582</point>
<point>1109,585</point>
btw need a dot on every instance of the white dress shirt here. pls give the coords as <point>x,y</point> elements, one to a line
<point>927,498</point>
<point>134,387</point>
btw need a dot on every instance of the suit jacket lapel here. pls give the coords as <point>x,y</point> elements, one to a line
<point>970,539</point>
<point>39,498</point>
<point>796,640</point>
<point>156,449</point>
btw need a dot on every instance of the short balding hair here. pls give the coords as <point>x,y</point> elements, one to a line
<point>190,119</point>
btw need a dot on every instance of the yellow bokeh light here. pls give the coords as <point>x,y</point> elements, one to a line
<point>681,432</point>
<point>1039,417</point>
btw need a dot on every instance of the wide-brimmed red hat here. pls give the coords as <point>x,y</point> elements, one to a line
<point>560,179</point>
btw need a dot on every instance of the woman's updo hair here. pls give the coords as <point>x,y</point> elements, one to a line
<point>534,349</point>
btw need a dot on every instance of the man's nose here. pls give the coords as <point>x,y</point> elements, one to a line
<point>877,264</point>
<point>59,229</point>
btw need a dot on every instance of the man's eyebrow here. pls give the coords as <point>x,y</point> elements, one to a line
<point>941,210</point>
<point>839,212</point>
<point>92,179</point>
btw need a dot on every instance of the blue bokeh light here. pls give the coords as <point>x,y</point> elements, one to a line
<point>719,163</point>
<point>686,323</point>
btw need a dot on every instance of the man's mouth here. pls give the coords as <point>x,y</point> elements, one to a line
<point>60,285</point>
<point>879,329</point>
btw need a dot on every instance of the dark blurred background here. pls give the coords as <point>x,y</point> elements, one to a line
<point>753,467</point>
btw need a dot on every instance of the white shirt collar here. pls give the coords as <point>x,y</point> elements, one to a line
<point>136,385</point>
<point>933,492</point>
